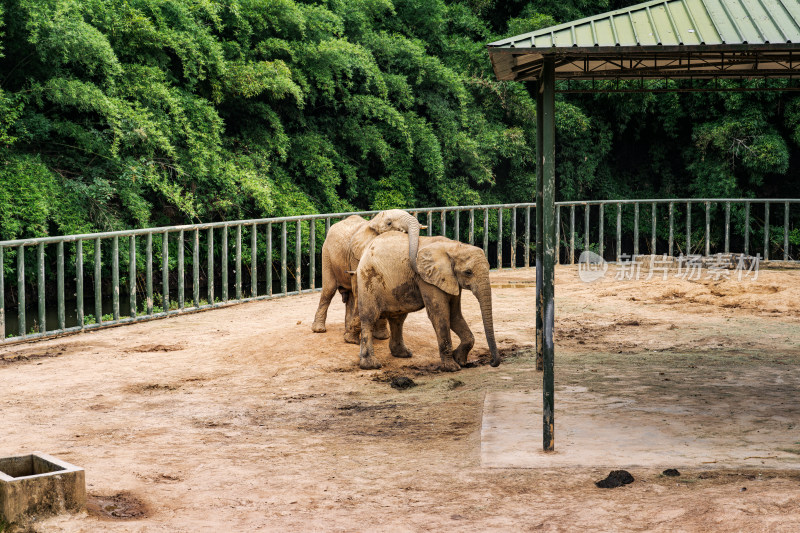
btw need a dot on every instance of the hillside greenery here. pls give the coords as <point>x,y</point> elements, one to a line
<point>135,113</point>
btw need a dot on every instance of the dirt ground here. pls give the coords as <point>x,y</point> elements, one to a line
<point>242,419</point>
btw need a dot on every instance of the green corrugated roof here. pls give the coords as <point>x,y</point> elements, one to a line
<point>673,22</point>
<point>663,39</point>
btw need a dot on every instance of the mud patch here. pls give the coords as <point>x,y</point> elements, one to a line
<point>616,478</point>
<point>402,383</point>
<point>20,356</point>
<point>151,388</point>
<point>120,506</point>
<point>150,348</point>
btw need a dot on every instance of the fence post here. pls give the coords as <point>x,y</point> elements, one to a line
<point>132,276</point>
<point>238,262</point>
<point>40,287</point>
<point>210,259</point>
<point>688,228</point>
<point>98,296</point>
<point>635,229</point>
<point>284,282</point>
<point>727,227</point>
<point>149,280</point>
<point>269,254</point>
<point>619,232</point>
<point>181,271</point>
<point>572,234</point>
<point>601,236</point>
<point>785,233</point>
<point>165,271</point>
<point>708,229</point>
<point>500,238</point>
<point>115,276</point>
<point>253,261</point>
<point>2,296</point>
<point>527,236</point>
<point>78,283</point>
<point>747,228</point>
<point>21,291</point>
<point>671,228</point>
<point>225,264</point>
<point>653,234</point>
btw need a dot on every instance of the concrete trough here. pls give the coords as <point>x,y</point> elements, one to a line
<point>39,484</point>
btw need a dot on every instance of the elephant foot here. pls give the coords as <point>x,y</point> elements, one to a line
<point>318,327</point>
<point>449,366</point>
<point>401,352</point>
<point>352,337</point>
<point>460,357</point>
<point>381,333</point>
<point>369,363</point>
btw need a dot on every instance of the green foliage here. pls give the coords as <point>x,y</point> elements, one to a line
<point>135,113</point>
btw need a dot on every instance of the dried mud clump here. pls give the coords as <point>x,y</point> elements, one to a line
<point>615,479</point>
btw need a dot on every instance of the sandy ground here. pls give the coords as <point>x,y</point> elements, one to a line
<point>241,419</point>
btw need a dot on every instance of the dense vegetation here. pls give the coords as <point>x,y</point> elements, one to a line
<point>123,113</point>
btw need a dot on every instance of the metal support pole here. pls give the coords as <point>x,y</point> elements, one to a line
<point>430,223</point>
<point>546,298</point>
<point>443,216</point>
<point>636,229</point>
<point>457,227</point>
<point>539,224</point>
<point>766,231</point>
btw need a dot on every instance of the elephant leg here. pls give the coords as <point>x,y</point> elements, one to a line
<point>381,329</point>
<point>460,327</point>
<point>439,314</point>
<point>328,291</point>
<point>396,345</point>
<point>366,356</point>
<point>352,324</point>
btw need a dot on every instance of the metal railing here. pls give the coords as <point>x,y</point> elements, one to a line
<point>247,260</point>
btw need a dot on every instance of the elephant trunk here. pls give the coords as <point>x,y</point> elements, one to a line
<point>483,292</point>
<point>413,240</point>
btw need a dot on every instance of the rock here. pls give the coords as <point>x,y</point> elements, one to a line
<point>671,472</point>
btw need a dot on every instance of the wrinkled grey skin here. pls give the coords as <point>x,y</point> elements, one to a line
<point>341,251</point>
<point>387,287</point>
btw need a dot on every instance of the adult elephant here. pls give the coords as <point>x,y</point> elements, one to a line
<point>341,251</point>
<point>388,287</point>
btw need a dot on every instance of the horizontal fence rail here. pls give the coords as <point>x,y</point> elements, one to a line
<point>83,282</point>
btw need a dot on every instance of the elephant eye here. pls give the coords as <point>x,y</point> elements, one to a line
<point>389,223</point>
<point>468,272</point>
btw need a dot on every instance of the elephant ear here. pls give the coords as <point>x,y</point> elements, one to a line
<point>435,267</point>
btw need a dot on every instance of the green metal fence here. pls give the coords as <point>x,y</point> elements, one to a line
<point>78,283</point>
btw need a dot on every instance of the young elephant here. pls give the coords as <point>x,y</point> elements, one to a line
<point>341,251</point>
<point>388,287</point>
